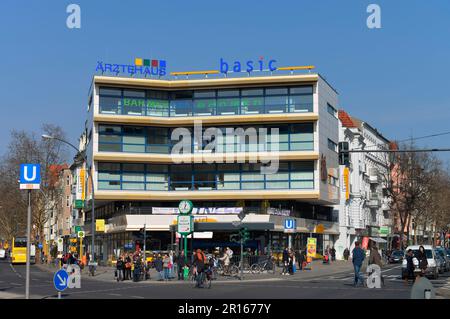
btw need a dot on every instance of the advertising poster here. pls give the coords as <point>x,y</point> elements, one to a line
<point>311,247</point>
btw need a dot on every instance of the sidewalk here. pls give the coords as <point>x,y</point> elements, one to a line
<point>318,270</point>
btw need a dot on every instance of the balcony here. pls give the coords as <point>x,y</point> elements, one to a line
<point>373,203</point>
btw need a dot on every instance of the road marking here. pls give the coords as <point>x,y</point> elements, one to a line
<point>139,297</point>
<point>15,284</point>
<point>115,295</point>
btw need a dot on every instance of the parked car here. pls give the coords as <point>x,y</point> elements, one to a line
<point>396,257</point>
<point>432,269</point>
<point>442,252</point>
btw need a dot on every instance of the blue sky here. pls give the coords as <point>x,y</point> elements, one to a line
<point>396,78</point>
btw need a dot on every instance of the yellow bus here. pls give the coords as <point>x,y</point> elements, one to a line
<point>19,251</point>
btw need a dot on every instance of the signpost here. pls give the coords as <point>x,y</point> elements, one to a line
<point>60,281</point>
<point>185,222</point>
<point>81,236</point>
<point>290,226</point>
<point>69,278</point>
<point>60,244</point>
<point>29,181</point>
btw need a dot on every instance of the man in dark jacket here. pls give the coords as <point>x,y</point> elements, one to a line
<point>358,256</point>
<point>120,269</point>
<point>159,267</point>
<point>181,263</point>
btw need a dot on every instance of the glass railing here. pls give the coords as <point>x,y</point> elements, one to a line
<point>185,108</point>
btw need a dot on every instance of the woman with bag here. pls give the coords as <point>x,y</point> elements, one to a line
<point>128,267</point>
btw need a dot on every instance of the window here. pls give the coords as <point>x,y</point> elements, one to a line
<point>332,145</point>
<point>331,110</point>
<point>206,102</point>
<point>203,177</point>
<point>67,201</point>
<point>67,180</point>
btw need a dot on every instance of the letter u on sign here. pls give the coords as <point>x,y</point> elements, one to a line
<point>30,174</point>
<point>289,224</point>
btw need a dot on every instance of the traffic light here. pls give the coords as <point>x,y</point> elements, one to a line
<point>344,155</point>
<point>244,233</point>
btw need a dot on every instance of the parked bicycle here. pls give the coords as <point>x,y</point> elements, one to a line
<point>266,265</point>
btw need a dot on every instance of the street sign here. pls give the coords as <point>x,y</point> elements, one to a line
<point>60,280</point>
<point>185,207</point>
<point>40,246</point>
<point>60,244</point>
<point>30,176</point>
<point>80,234</point>
<point>184,224</point>
<point>290,225</point>
<point>100,225</point>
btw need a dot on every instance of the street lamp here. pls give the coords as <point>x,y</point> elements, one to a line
<point>83,154</point>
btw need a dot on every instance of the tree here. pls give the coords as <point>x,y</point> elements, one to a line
<point>25,147</point>
<point>407,181</point>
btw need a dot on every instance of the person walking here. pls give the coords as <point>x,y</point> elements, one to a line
<point>159,267</point>
<point>226,262</point>
<point>422,258</point>
<point>301,259</point>
<point>333,254</point>
<point>119,269</point>
<point>166,262</point>
<point>346,254</point>
<point>171,265</point>
<point>128,262</point>
<point>180,265</point>
<point>375,258</point>
<point>409,266</point>
<point>285,261</point>
<point>358,257</point>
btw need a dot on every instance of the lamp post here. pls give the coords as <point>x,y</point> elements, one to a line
<point>83,154</point>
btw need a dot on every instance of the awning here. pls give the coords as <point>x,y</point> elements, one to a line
<point>378,240</point>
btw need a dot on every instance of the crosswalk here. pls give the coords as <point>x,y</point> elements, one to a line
<point>443,282</point>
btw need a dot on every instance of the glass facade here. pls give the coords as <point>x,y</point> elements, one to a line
<point>198,177</point>
<point>298,99</point>
<point>291,137</point>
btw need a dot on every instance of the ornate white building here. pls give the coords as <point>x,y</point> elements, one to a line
<point>363,209</point>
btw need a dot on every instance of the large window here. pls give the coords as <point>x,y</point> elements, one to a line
<point>206,102</point>
<point>201,177</point>
<point>290,137</point>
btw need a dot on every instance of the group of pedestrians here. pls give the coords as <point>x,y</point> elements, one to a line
<point>132,267</point>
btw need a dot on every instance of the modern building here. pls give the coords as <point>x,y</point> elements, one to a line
<point>148,152</point>
<point>364,204</point>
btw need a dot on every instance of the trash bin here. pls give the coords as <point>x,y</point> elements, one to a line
<point>186,273</point>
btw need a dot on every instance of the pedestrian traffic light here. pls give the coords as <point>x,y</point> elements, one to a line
<point>244,233</point>
<point>344,155</point>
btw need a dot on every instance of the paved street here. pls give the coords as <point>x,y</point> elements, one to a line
<point>324,282</point>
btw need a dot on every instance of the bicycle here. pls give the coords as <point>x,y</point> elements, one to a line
<point>267,265</point>
<point>203,278</point>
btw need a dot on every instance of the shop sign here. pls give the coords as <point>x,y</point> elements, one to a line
<point>311,247</point>
<point>346,184</point>
<point>247,66</point>
<point>198,210</point>
<point>100,225</point>
<point>319,229</point>
<point>279,212</point>
<point>384,230</point>
<point>141,66</point>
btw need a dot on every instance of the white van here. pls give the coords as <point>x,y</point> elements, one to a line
<point>432,269</point>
